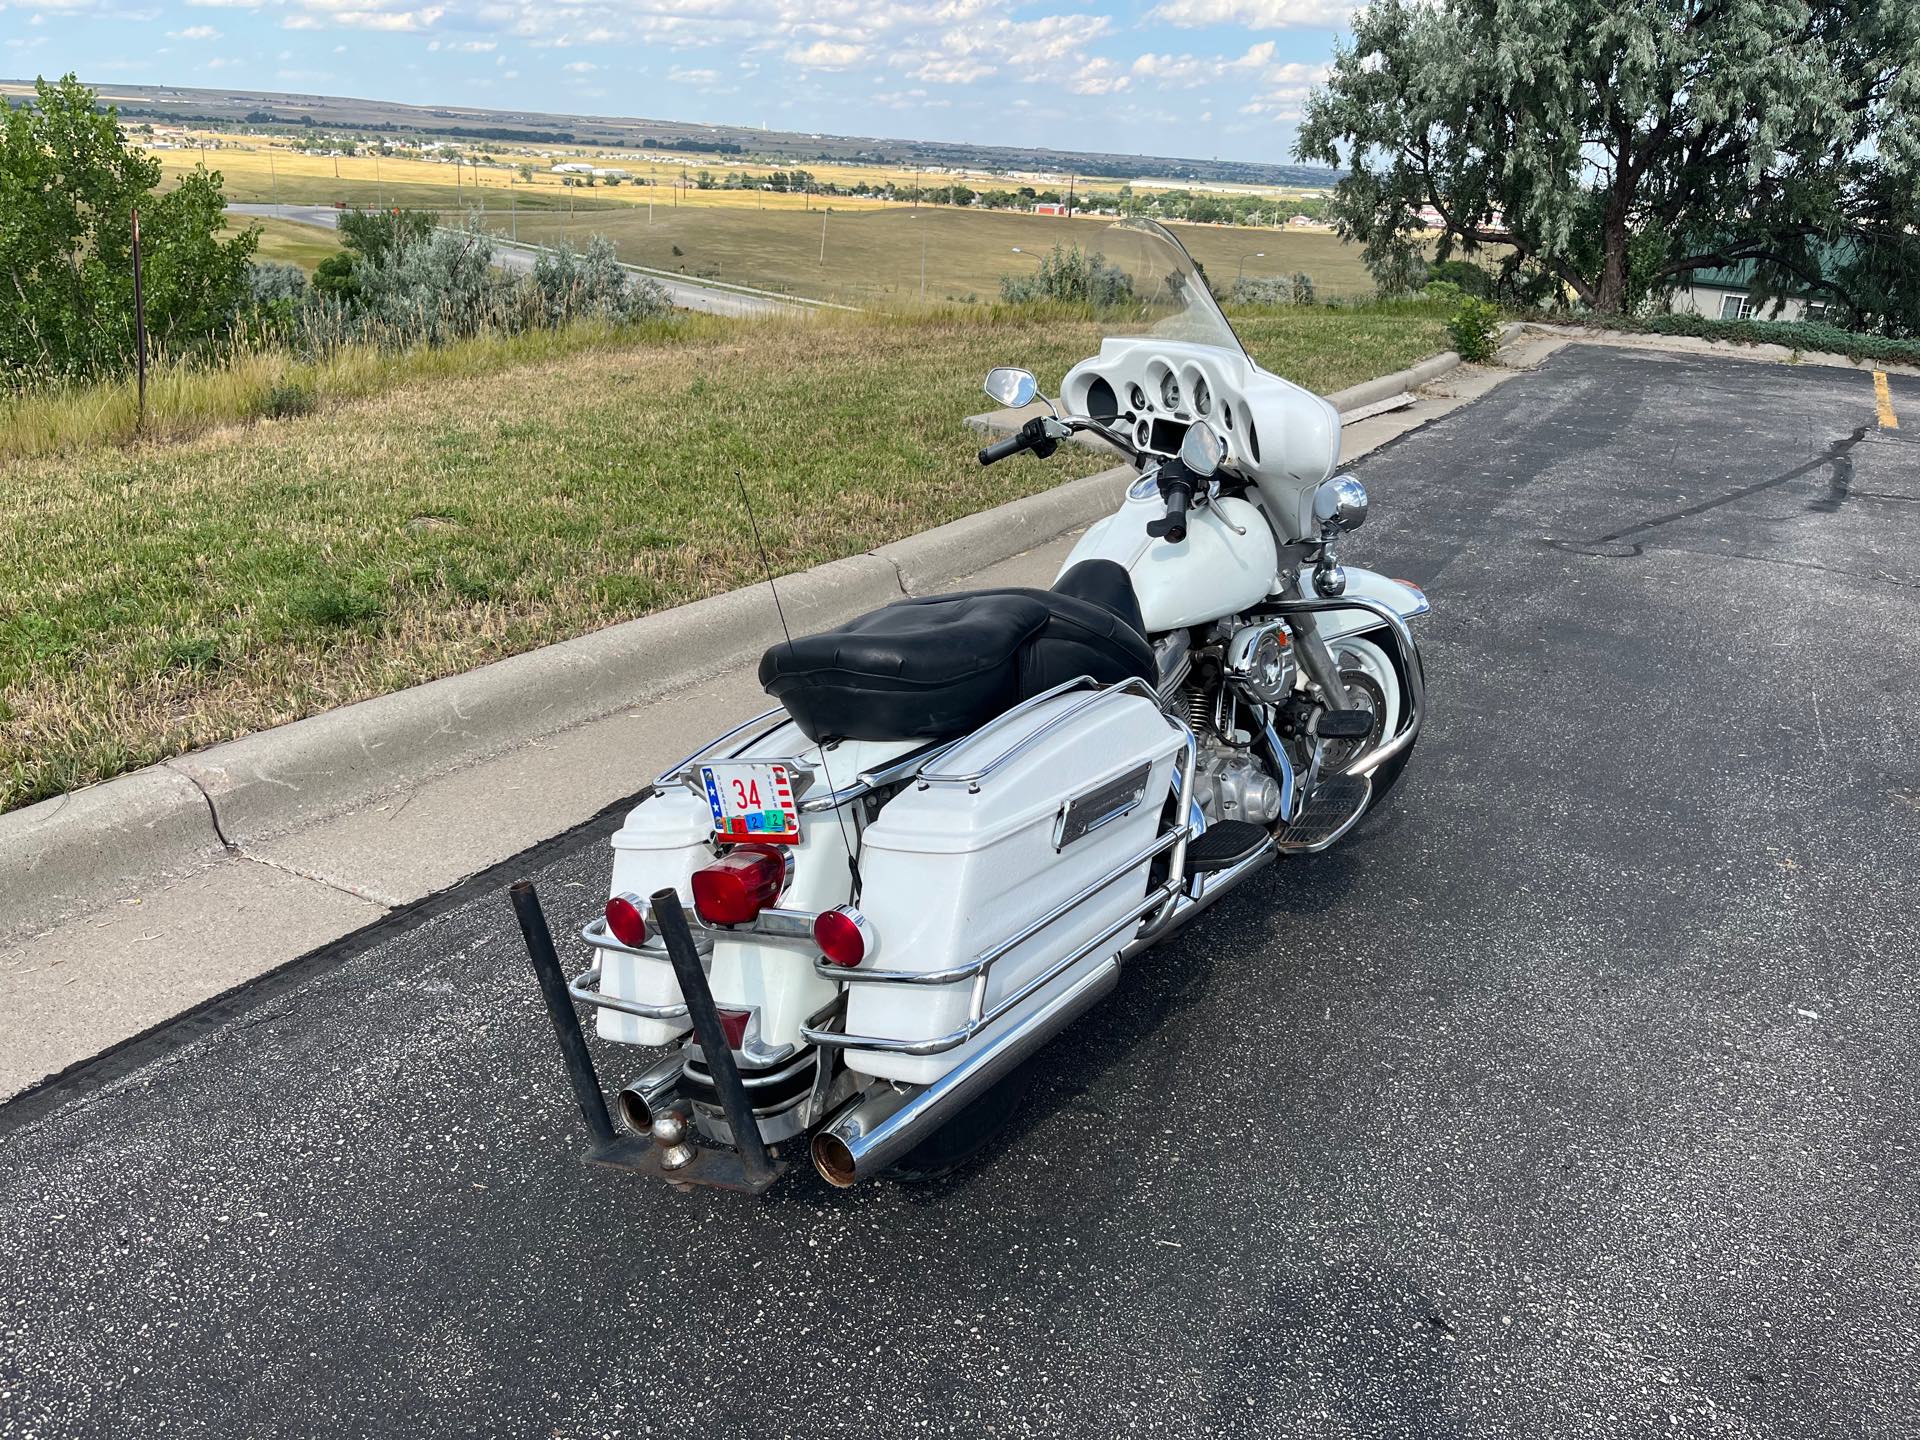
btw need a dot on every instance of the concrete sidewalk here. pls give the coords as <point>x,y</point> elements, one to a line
<point>312,840</point>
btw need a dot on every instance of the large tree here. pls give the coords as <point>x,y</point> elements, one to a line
<point>1615,144</point>
<point>69,186</point>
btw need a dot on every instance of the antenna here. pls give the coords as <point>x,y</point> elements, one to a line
<point>766,569</point>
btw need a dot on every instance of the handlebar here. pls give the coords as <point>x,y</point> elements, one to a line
<point>1176,488</point>
<point>1001,449</point>
<point>1031,436</point>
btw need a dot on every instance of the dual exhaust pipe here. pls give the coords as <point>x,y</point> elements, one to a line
<point>879,1127</point>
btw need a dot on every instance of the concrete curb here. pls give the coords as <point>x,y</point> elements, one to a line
<point>74,850</point>
<point>1421,372</point>
<point>82,848</point>
<point>1766,353</point>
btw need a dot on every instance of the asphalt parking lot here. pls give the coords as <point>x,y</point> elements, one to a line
<point>1573,1096</point>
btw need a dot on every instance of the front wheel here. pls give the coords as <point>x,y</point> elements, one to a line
<point>1373,684</point>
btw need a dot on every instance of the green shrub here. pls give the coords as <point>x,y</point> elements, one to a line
<point>287,399</point>
<point>1475,327</point>
<point>1272,290</point>
<point>1071,274</point>
<point>1801,335</point>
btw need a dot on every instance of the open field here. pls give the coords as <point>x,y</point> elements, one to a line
<point>269,153</point>
<point>258,170</point>
<point>876,257</point>
<point>290,242</point>
<point>167,596</point>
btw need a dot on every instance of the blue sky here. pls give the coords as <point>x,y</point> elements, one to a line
<point>1195,78</point>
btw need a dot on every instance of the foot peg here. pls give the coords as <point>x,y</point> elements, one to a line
<point>1334,807</point>
<point>1344,724</point>
<point>1224,844</point>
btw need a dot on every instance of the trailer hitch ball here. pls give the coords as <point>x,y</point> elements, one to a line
<point>670,1132</point>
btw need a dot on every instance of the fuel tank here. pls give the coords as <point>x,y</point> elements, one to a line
<point>1226,563</point>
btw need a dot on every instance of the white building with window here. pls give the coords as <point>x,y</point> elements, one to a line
<point>1728,292</point>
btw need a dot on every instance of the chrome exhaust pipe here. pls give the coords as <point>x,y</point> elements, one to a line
<point>875,1129</point>
<point>641,1099</point>
<point>1217,888</point>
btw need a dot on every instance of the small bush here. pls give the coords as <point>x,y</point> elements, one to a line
<point>1475,326</point>
<point>1071,274</point>
<point>1798,335</point>
<point>1272,290</point>
<point>287,399</point>
<point>1464,276</point>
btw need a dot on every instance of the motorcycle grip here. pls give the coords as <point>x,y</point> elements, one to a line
<point>1001,449</point>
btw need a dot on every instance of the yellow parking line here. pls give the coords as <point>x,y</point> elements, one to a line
<point>1888,420</point>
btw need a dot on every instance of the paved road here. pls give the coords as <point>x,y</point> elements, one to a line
<point>683,293</point>
<point>1573,1097</point>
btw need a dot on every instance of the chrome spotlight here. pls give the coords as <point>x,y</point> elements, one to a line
<point>1340,504</point>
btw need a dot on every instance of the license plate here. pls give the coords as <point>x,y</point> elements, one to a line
<point>751,802</point>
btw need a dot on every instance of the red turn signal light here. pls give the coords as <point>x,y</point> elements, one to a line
<point>844,935</point>
<point>733,1025</point>
<point>739,885</point>
<point>624,919</point>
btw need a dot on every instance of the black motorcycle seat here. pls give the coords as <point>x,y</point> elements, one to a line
<point>938,667</point>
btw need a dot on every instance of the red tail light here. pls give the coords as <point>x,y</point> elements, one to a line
<point>626,922</point>
<point>733,1025</point>
<point>843,935</point>
<point>739,885</point>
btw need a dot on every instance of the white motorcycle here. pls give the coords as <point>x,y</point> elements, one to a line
<point>855,916</point>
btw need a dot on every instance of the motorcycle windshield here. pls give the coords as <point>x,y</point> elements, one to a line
<point>1156,287</point>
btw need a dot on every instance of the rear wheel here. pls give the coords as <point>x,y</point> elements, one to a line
<point>964,1136</point>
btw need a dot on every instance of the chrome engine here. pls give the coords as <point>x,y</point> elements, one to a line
<point>1231,784</point>
<point>1209,688</point>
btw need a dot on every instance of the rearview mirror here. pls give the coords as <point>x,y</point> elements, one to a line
<point>1012,388</point>
<point>1202,450</point>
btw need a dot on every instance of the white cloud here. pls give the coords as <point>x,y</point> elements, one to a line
<point>1098,77</point>
<point>1254,14</point>
<point>465,47</point>
<point>692,77</point>
<point>826,55</point>
<point>580,67</point>
<point>1193,70</point>
<point>194,32</point>
<point>1284,90</point>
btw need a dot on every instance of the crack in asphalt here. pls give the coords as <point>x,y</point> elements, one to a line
<point>1617,546</point>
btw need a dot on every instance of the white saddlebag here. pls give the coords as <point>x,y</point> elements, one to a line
<point>951,868</point>
<point>663,841</point>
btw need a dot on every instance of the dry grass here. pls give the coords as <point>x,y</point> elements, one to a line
<point>163,597</point>
<point>875,257</point>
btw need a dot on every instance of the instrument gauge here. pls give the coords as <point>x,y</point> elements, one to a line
<point>1137,398</point>
<point>1202,397</point>
<point>1170,391</point>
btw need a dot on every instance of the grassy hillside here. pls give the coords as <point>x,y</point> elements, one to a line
<point>875,256</point>
<point>165,596</point>
<point>292,243</point>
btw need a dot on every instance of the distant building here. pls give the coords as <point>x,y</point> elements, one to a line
<point>1728,292</point>
<point>1050,207</point>
<point>573,167</point>
<point>1303,220</point>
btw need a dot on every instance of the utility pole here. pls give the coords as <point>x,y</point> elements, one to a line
<point>823,234</point>
<point>923,264</point>
<point>139,328</point>
<point>274,172</point>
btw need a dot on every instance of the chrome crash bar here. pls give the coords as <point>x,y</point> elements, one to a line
<point>1410,667</point>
